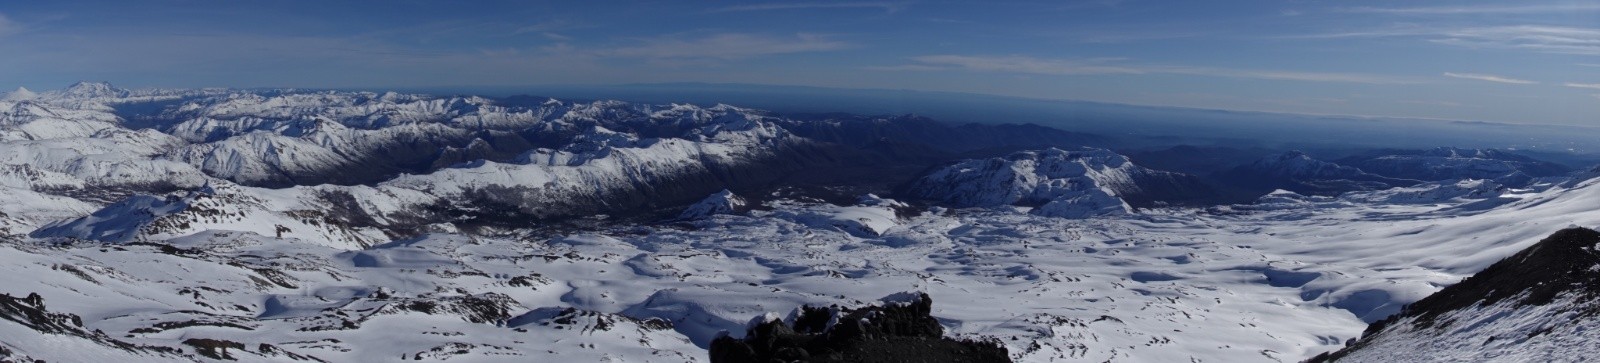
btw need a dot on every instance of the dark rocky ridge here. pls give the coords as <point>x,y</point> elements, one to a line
<point>1558,266</point>
<point>894,332</point>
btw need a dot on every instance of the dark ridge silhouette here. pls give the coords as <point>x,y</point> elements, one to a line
<point>894,332</point>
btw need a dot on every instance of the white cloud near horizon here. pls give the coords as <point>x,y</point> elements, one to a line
<point>726,46</point>
<point>890,7</point>
<point>1032,65</point>
<point>1584,85</point>
<point>1488,77</point>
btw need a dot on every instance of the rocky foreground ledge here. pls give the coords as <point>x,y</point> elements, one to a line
<point>901,330</point>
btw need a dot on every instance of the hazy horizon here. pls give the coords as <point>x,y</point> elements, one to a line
<point>1533,62</point>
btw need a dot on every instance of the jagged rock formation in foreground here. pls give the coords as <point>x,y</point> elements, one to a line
<point>1539,305</point>
<point>899,331</point>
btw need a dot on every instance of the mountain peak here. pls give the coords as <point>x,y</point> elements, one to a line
<point>86,89</point>
<point>723,202</point>
<point>1293,154</point>
<point>21,94</point>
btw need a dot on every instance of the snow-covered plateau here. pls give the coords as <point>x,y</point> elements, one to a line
<point>284,225</point>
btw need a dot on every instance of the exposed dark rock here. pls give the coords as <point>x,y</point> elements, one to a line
<point>31,313</point>
<point>214,348</point>
<point>490,308</point>
<point>899,331</point>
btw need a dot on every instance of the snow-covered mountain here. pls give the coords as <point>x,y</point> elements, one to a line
<point>723,202</point>
<point>293,225</point>
<point>1055,182</point>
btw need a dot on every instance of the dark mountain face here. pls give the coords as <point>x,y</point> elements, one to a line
<point>1559,269</point>
<point>894,332</point>
<point>862,131</point>
<point>1300,173</point>
<point>1197,160</point>
<point>1451,163</point>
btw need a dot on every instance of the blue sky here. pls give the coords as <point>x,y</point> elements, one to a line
<point>1512,61</point>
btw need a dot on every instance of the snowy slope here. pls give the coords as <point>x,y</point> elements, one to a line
<point>1536,305</point>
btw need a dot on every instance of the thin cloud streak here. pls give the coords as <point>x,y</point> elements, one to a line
<point>1488,77</point>
<point>1480,9</point>
<point>1031,65</point>
<point>886,6</point>
<point>729,46</point>
<point>1549,39</point>
<point>1020,64</point>
<point>1539,38</point>
<point>1584,85</point>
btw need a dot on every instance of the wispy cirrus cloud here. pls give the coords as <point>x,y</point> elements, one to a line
<point>1101,66</point>
<point>889,7</point>
<point>1539,38</point>
<point>1550,39</point>
<point>1291,75</point>
<point>727,46</point>
<point>1019,64</point>
<point>8,27</point>
<point>1488,77</point>
<point>1479,9</point>
<point>1584,85</point>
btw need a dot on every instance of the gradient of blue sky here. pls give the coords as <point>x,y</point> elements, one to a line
<point>1512,61</point>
